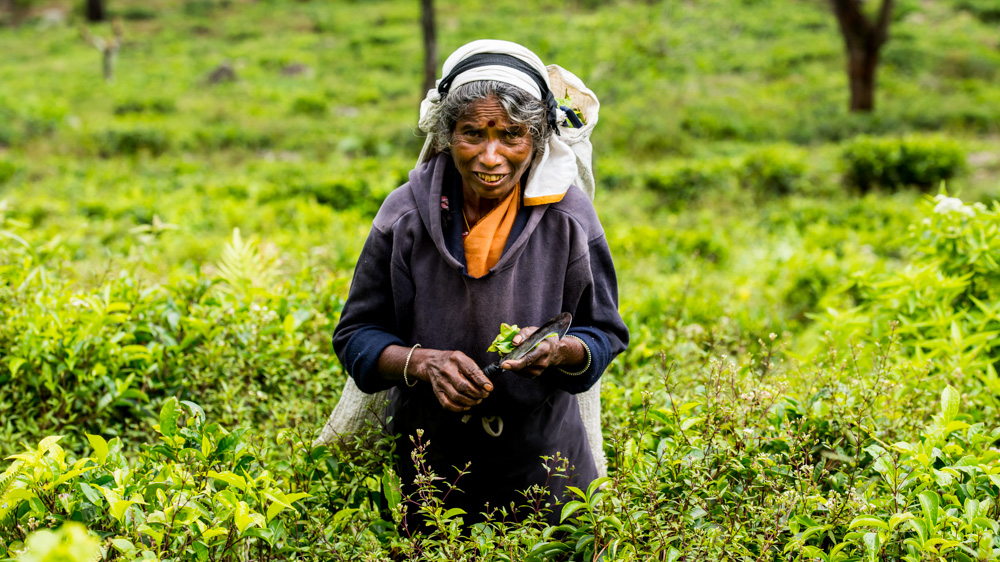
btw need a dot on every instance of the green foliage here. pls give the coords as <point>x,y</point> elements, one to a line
<point>504,342</point>
<point>773,171</point>
<point>982,9</point>
<point>898,163</point>
<point>87,359</point>
<point>200,493</point>
<point>153,106</point>
<point>944,300</point>
<point>131,142</point>
<point>310,105</point>
<point>70,543</point>
<point>685,182</point>
<point>7,170</point>
<point>230,137</point>
<point>127,290</point>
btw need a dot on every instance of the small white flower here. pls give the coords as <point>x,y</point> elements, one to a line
<point>946,205</point>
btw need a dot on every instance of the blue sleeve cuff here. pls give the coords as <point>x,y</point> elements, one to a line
<point>600,358</point>
<point>360,357</point>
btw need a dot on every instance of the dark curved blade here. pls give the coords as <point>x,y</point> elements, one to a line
<point>555,327</point>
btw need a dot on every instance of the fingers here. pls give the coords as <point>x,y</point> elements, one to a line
<point>470,379</point>
<point>458,382</point>
<point>536,360</point>
<point>524,334</point>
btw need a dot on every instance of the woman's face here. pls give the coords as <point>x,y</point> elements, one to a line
<point>490,151</point>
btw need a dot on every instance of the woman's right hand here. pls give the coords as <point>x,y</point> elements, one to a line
<point>458,382</point>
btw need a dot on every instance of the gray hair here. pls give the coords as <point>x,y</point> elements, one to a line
<point>521,107</point>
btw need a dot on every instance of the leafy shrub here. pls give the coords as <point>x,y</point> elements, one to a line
<point>200,493</point>
<point>7,170</point>
<point>723,121</point>
<point>963,65</point>
<point>945,299</point>
<point>310,105</point>
<point>138,13</point>
<point>131,142</point>
<point>230,137</point>
<point>70,543</point>
<point>773,171</point>
<point>156,106</point>
<point>685,182</point>
<point>897,163</point>
<point>95,358</point>
<point>983,9</point>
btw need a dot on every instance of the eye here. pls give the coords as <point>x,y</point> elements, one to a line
<point>511,134</point>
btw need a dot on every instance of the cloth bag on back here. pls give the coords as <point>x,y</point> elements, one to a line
<point>356,409</point>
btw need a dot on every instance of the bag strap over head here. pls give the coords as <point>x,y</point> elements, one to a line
<point>498,59</point>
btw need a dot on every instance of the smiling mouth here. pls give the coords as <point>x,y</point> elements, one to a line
<point>490,178</point>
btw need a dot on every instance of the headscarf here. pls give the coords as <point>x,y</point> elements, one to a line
<point>555,170</point>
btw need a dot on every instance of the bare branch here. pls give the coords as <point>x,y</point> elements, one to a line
<point>881,31</point>
<point>96,42</point>
<point>119,31</point>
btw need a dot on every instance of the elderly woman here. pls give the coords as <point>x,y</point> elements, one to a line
<point>489,229</point>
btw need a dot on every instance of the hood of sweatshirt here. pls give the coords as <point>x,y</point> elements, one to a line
<point>426,184</point>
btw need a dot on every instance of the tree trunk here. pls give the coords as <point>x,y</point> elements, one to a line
<point>430,44</point>
<point>861,72</point>
<point>863,41</point>
<point>95,10</point>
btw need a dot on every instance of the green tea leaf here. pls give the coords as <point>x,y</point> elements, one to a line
<point>168,417</point>
<point>950,402</point>
<point>100,448</point>
<point>504,342</point>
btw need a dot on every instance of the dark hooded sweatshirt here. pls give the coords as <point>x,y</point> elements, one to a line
<point>411,286</point>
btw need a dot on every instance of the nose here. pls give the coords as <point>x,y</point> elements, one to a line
<point>491,156</point>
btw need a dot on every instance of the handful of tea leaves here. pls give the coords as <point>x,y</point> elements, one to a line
<point>567,102</point>
<point>504,343</point>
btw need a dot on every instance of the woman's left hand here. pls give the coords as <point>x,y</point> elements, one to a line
<point>549,353</point>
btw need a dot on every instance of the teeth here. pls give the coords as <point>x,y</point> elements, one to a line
<point>490,177</point>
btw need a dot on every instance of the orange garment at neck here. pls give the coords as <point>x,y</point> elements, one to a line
<point>486,239</point>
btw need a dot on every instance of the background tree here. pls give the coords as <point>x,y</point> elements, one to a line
<point>430,43</point>
<point>94,10</point>
<point>863,40</point>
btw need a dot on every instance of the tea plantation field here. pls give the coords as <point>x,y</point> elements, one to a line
<point>813,295</point>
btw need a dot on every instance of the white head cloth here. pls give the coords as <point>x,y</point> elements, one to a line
<point>555,170</point>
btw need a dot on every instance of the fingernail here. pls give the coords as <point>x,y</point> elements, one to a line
<point>489,388</point>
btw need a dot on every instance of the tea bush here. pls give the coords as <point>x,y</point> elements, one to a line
<point>201,493</point>
<point>120,300</point>
<point>230,137</point>
<point>310,105</point>
<point>945,299</point>
<point>773,171</point>
<point>99,359</point>
<point>155,106</point>
<point>131,142</point>
<point>684,182</point>
<point>898,163</point>
<point>7,170</point>
<point>983,9</point>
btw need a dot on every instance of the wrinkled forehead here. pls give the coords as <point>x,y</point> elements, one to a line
<point>484,111</point>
